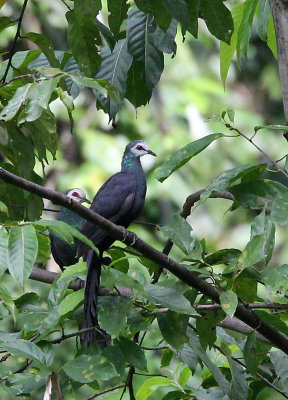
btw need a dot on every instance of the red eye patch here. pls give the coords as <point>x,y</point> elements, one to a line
<point>75,194</point>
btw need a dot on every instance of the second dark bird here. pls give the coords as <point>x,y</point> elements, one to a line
<point>120,200</point>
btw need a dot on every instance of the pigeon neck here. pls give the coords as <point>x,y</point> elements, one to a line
<point>130,162</point>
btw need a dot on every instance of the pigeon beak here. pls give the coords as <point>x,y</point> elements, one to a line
<point>85,201</point>
<point>152,153</point>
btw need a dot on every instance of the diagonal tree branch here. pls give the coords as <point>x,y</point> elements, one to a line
<point>118,233</point>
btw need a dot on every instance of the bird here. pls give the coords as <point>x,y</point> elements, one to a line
<point>120,200</point>
<point>63,253</point>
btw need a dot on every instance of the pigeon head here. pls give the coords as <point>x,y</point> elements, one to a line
<point>77,195</point>
<point>139,148</point>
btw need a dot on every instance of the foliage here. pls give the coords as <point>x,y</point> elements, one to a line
<point>119,53</point>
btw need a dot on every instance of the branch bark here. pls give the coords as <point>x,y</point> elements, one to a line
<point>118,233</point>
<point>279,10</point>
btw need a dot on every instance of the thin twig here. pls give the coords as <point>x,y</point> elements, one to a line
<point>28,76</point>
<point>105,391</point>
<point>12,49</point>
<point>69,8</point>
<point>277,166</point>
<point>154,348</point>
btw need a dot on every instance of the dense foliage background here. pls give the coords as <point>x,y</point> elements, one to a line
<point>79,80</point>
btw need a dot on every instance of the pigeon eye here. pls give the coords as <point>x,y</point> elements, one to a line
<point>75,194</point>
<point>139,147</point>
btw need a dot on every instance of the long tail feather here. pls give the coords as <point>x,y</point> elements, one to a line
<point>90,302</point>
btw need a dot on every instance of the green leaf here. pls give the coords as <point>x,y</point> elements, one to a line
<point>239,387</point>
<point>263,19</point>
<point>5,22</point>
<point>71,302</point>
<point>152,384</point>
<point>229,302</point>
<point>38,99</point>
<point>179,11</point>
<point>3,250</point>
<point>3,208</point>
<point>89,8</point>
<point>227,50</point>
<point>65,232</point>
<point>253,252</point>
<point>23,249</point>
<point>141,30</point>
<point>83,36</point>
<point>184,376</point>
<point>157,9</point>
<point>114,68</point>
<point>216,372</point>
<point>206,326</point>
<point>276,279</point>
<point>280,362</point>
<point>274,320</point>
<point>166,357</point>
<point>226,178</point>
<point>169,297</point>
<point>133,354</point>
<point>165,41</point>
<point>6,299</point>
<point>263,224</point>
<point>179,231</point>
<point>250,354</point>
<point>113,312</point>
<point>24,348</point>
<point>271,35</point>
<point>86,369</point>
<point>118,12</point>
<point>173,328</point>
<point>245,27</point>
<point>15,103</point>
<point>183,155</point>
<point>137,92</point>
<point>46,46</point>
<point>217,18</point>
<point>44,135</point>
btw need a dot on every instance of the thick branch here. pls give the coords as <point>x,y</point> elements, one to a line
<point>280,17</point>
<point>129,238</point>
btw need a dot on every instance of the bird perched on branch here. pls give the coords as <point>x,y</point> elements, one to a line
<point>63,253</point>
<point>120,200</point>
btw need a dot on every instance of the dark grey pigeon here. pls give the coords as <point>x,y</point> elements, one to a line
<point>120,200</point>
<point>62,252</point>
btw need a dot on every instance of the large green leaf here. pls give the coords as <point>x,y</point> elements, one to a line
<point>179,11</point>
<point>217,18</point>
<point>71,302</point>
<point>183,155</point>
<point>263,224</point>
<point>173,328</point>
<point>157,9</point>
<point>141,30</point>
<point>244,30</point>
<point>133,354</point>
<point>113,312</point>
<point>46,46</point>
<point>83,36</point>
<point>22,249</point>
<point>169,297</point>
<point>226,178</point>
<point>216,372</point>
<point>264,15</point>
<point>227,50</point>
<point>152,384</point>
<point>253,252</point>
<point>65,232</point>
<point>86,369</point>
<point>24,348</point>
<point>137,92</point>
<point>114,68</point>
<point>165,41</point>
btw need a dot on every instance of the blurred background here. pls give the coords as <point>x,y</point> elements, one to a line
<point>182,109</point>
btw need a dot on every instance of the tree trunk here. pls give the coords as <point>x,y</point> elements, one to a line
<point>279,10</point>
